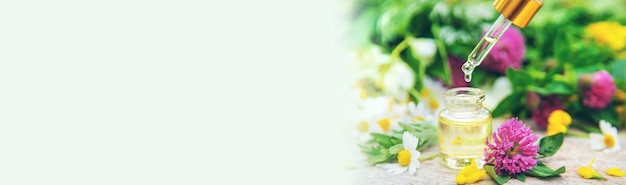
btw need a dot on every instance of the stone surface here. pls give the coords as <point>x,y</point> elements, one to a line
<point>574,152</point>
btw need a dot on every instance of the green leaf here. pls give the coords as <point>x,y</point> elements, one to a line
<point>507,104</point>
<point>427,133</point>
<point>607,114</point>
<point>416,65</point>
<point>553,88</point>
<point>542,171</point>
<point>521,177</point>
<point>395,149</point>
<point>520,79</point>
<point>495,176</point>
<point>549,145</point>
<point>441,50</point>
<point>589,69</point>
<point>382,139</point>
<point>618,71</point>
<point>479,77</point>
<point>395,140</point>
<point>378,158</point>
<point>562,47</point>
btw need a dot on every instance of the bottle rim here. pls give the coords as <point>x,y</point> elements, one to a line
<point>464,95</point>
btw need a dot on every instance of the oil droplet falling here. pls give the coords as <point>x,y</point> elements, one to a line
<point>468,77</point>
<point>467,70</point>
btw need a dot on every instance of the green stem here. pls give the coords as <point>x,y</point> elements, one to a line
<point>395,54</point>
<point>584,127</point>
<point>441,47</point>
<point>537,74</point>
<point>557,77</point>
<point>396,51</point>
<point>576,134</point>
<point>426,158</point>
<point>415,94</point>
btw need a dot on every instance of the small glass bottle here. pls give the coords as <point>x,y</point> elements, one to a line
<point>464,125</point>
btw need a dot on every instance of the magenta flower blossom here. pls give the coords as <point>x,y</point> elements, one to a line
<point>597,88</point>
<point>514,149</point>
<point>532,100</point>
<point>508,52</point>
<point>541,114</point>
<point>458,77</point>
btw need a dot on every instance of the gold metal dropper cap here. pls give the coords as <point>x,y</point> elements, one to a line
<point>519,12</point>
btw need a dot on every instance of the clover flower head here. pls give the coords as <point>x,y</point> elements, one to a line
<point>508,52</point>
<point>598,89</point>
<point>514,149</point>
<point>532,100</point>
<point>540,115</point>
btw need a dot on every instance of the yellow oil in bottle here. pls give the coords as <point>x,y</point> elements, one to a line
<point>464,125</point>
<point>462,140</point>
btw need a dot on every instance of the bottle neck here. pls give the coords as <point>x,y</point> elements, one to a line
<point>475,107</point>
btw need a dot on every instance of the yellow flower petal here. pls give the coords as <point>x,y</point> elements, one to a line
<point>608,33</point>
<point>470,174</point>
<point>474,177</point>
<point>588,172</point>
<point>461,179</point>
<point>615,172</point>
<point>468,170</point>
<point>620,95</point>
<point>555,128</point>
<point>559,117</point>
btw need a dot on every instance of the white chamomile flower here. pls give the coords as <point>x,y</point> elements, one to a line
<point>424,49</point>
<point>606,141</point>
<point>407,158</point>
<point>373,56</point>
<point>398,80</point>
<point>420,113</point>
<point>378,116</point>
<point>474,12</point>
<point>432,94</point>
<point>500,89</point>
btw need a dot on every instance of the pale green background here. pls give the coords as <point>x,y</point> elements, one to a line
<point>172,92</point>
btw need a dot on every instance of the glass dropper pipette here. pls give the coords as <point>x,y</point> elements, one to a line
<point>517,12</point>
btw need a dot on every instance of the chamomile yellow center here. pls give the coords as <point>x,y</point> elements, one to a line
<point>363,126</point>
<point>404,157</point>
<point>418,118</point>
<point>384,124</point>
<point>362,94</point>
<point>433,104</point>
<point>609,141</point>
<point>425,92</point>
